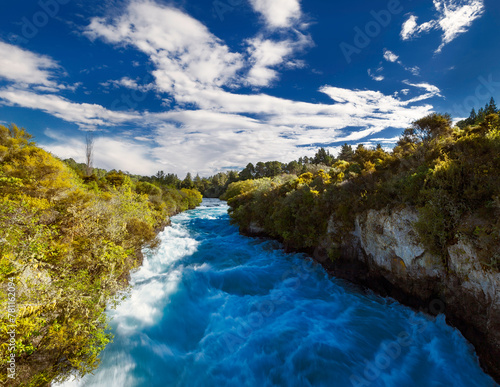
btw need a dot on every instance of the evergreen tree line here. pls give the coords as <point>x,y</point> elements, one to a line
<point>479,117</point>
<point>215,186</point>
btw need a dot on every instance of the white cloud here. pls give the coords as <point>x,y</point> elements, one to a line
<point>415,70</point>
<point>278,13</point>
<point>83,114</point>
<point>457,17</point>
<point>389,56</point>
<point>411,29</point>
<point>187,56</point>
<point>26,68</point>
<point>129,84</point>
<point>375,77</point>
<point>267,53</point>
<point>454,18</point>
<point>221,128</point>
<point>431,91</point>
<point>428,87</point>
<point>264,54</point>
<point>109,153</point>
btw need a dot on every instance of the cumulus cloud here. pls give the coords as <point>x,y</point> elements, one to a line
<point>454,18</point>
<point>186,55</point>
<point>278,13</point>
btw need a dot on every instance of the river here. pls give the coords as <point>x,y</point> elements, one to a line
<point>214,308</point>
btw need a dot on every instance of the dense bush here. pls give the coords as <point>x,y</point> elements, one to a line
<point>68,244</point>
<point>447,174</point>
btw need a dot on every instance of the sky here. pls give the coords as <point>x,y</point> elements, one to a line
<point>204,86</point>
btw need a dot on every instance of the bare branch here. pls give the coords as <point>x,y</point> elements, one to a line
<point>89,153</point>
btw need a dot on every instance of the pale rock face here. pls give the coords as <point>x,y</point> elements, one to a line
<point>387,245</point>
<point>465,264</point>
<point>389,238</point>
<point>391,241</point>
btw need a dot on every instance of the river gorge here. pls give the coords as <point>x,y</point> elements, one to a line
<point>211,307</point>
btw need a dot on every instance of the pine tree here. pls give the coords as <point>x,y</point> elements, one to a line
<point>472,117</point>
<point>346,153</point>
<point>491,108</point>
<point>188,181</point>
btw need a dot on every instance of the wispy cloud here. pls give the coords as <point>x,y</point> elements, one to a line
<point>129,84</point>
<point>411,29</point>
<point>431,91</point>
<point>83,114</point>
<point>389,56</point>
<point>267,53</point>
<point>375,75</point>
<point>454,18</point>
<point>26,68</point>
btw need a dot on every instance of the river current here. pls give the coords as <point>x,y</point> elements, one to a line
<point>214,308</point>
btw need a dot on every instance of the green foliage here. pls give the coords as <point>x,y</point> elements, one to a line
<point>69,244</point>
<point>445,173</point>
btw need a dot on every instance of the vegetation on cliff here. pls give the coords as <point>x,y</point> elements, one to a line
<point>450,174</point>
<point>68,241</point>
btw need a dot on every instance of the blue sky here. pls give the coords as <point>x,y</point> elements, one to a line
<point>205,86</point>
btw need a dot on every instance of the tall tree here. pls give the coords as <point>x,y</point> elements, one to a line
<point>293,168</point>
<point>346,153</point>
<point>247,173</point>
<point>472,118</point>
<point>429,127</point>
<point>491,108</point>
<point>188,181</point>
<point>322,156</point>
<point>260,169</point>
<point>273,168</point>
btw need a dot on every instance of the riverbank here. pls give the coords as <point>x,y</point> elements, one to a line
<point>401,268</point>
<point>68,243</point>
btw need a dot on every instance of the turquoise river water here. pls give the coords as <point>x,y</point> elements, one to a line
<point>214,308</point>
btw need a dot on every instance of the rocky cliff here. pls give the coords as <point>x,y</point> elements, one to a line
<point>384,254</point>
